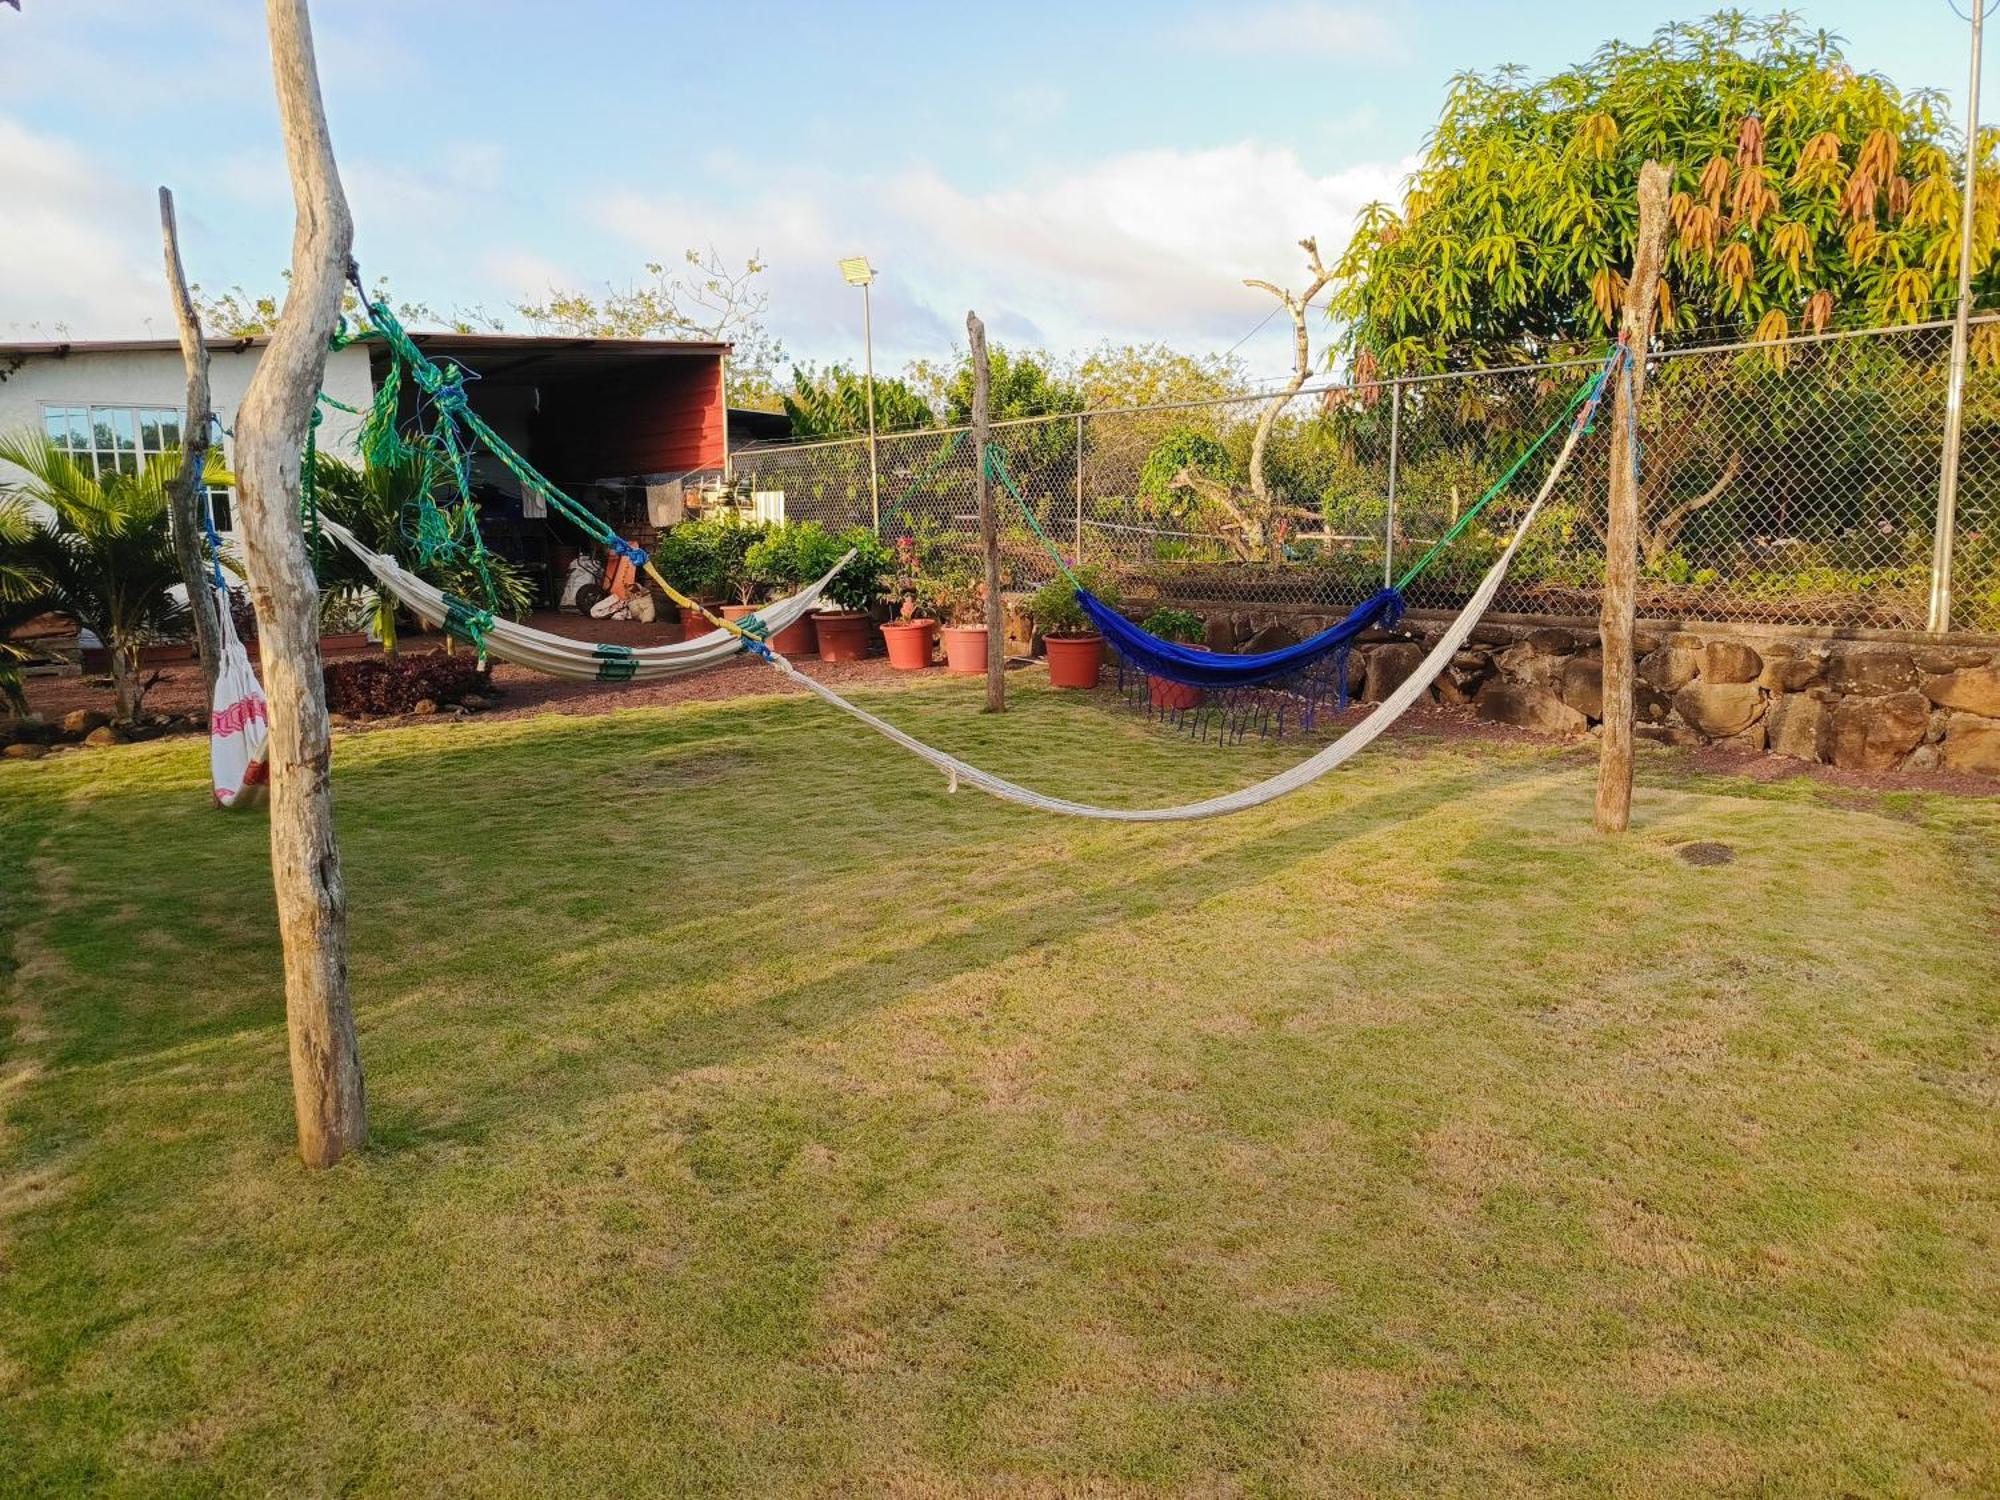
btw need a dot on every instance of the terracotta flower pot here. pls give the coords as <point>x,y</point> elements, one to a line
<point>694,623</point>
<point>796,639</point>
<point>909,643</point>
<point>1074,660</point>
<point>965,650</point>
<point>843,634</point>
<point>1168,694</point>
<point>737,611</point>
<point>98,658</point>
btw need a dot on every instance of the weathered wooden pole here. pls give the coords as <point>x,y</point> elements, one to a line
<point>271,427</point>
<point>1621,543</point>
<point>186,499</point>
<point>989,530</point>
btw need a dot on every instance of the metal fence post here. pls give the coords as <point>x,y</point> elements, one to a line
<point>1079,489</point>
<point>1389,521</point>
<point>1954,405</point>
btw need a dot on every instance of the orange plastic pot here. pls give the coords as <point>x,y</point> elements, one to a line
<point>909,643</point>
<point>965,650</point>
<point>843,634</point>
<point>1074,660</point>
<point>1170,695</point>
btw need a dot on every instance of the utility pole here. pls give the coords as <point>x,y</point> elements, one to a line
<point>989,530</point>
<point>857,272</point>
<point>1621,540</point>
<point>1954,404</point>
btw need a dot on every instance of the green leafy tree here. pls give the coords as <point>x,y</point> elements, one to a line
<point>833,403</point>
<point>20,596</point>
<point>100,554</point>
<point>1028,383</point>
<point>1804,191</point>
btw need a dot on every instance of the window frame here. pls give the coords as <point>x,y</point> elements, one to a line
<point>84,418</point>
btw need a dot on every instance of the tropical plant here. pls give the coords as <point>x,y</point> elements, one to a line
<point>375,501</point>
<point>20,596</point>
<point>780,558</point>
<point>1054,607</point>
<point>102,556</point>
<point>834,403</point>
<point>862,581</point>
<point>1181,625</point>
<point>713,553</point>
<point>1804,190</point>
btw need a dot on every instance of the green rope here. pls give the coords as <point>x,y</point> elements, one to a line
<point>996,468</point>
<point>309,483</point>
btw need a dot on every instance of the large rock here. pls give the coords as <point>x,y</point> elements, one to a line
<point>1670,668</point>
<point>1275,636</point>
<point>102,735</point>
<point>1730,662</point>
<point>80,721</point>
<point>1856,671</point>
<point>1719,709</point>
<point>1952,658</point>
<point>1788,670</point>
<point>1491,635</point>
<point>1218,633</point>
<point>1551,640</point>
<point>1973,690</point>
<point>1972,743</point>
<point>1874,733</point>
<point>1583,685</point>
<point>1529,706</point>
<point>1523,663</point>
<point>1793,723</point>
<point>1389,667</point>
<point>25,750</point>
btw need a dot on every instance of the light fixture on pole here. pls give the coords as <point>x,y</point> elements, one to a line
<point>856,271</point>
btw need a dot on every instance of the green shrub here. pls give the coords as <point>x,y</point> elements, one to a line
<point>1182,625</point>
<point>1054,609</point>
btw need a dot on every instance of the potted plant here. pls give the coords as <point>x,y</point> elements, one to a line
<point>843,631</point>
<point>687,558</point>
<point>734,540</point>
<point>911,634</point>
<point>960,596</point>
<point>1075,649</point>
<point>1183,627</point>
<point>779,560</point>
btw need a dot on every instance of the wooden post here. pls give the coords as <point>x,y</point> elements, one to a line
<point>1621,544</point>
<point>271,427</point>
<point>989,530</point>
<point>186,499</point>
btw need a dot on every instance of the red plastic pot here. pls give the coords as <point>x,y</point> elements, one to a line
<point>843,634</point>
<point>796,639</point>
<point>1074,660</point>
<point>965,650</point>
<point>1168,694</point>
<point>909,643</point>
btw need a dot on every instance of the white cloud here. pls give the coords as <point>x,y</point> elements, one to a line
<point>1299,28</point>
<point>79,249</point>
<point>1150,245</point>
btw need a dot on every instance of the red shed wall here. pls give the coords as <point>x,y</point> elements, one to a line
<point>655,416</point>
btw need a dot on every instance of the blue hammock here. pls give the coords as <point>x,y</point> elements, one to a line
<point>1195,667</point>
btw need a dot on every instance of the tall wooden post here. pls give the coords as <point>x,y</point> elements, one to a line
<point>271,426</point>
<point>186,499</point>
<point>1621,545</point>
<point>989,530</point>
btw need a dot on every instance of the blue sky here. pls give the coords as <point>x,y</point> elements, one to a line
<point>1075,171</point>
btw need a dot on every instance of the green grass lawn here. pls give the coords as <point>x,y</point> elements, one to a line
<point>752,1117</point>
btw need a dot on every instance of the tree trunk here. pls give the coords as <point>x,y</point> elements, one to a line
<point>1258,532</point>
<point>989,530</point>
<point>187,496</point>
<point>124,678</point>
<point>1621,547</point>
<point>271,428</point>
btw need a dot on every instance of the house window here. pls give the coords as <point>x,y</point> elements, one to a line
<point>120,439</point>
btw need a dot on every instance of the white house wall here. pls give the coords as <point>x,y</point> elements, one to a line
<point>138,378</point>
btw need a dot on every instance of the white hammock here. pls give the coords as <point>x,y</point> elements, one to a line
<point>568,658</point>
<point>1306,772</point>
<point>580,661</point>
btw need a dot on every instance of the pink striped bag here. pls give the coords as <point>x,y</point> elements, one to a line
<point>239,736</point>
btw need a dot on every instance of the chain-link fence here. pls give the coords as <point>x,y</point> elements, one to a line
<point>1793,483</point>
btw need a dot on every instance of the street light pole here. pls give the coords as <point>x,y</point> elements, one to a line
<point>1954,406</point>
<point>858,272</point>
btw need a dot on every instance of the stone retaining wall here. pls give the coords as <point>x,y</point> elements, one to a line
<point>1867,704</point>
